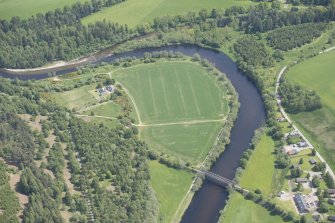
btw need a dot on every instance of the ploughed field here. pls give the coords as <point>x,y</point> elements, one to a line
<point>135,12</point>
<point>318,74</point>
<point>180,107</point>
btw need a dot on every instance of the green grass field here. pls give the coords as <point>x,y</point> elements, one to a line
<point>189,142</point>
<point>173,92</point>
<point>317,74</point>
<point>27,8</point>
<point>240,210</point>
<point>134,12</point>
<point>77,98</point>
<point>109,110</point>
<point>181,107</point>
<point>260,168</point>
<point>170,186</point>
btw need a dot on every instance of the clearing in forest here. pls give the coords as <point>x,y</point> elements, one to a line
<point>142,11</point>
<point>180,107</point>
<point>317,74</point>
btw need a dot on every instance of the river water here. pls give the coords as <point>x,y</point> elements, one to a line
<point>210,199</point>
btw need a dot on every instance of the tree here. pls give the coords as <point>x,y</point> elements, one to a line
<point>323,208</point>
<point>316,181</point>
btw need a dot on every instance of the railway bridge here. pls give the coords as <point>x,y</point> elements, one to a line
<point>220,180</point>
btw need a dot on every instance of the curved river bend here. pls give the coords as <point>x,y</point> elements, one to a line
<point>210,199</point>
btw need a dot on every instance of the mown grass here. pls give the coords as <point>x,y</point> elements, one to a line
<point>260,169</point>
<point>27,8</point>
<point>135,12</point>
<point>240,210</point>
<point>172,92</point>
<point>171,186</point>
<point>189,142</point>
<point>317,74</point>
<point>176,93</point>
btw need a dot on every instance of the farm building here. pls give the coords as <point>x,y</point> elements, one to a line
<point>301,180</point>
<point>299,202</point>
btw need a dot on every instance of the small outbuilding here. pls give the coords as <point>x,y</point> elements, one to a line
<point>331,218</point>
<point>331,191</point>
<point>312,161</point>
<point>301,180</point>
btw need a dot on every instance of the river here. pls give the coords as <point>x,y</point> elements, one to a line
<point>211,198</point>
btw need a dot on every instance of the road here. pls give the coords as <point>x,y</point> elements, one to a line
<point>282,111</point>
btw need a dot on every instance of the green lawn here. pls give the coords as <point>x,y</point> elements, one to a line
<point>134,12</point>
<point>189,142</point>
<point>77,98</point>
<point>27,8</point>
<point>305,155</point>
<point>171,186</point>
<point>240,210</point>
<point>180,105</point>
<point>317,74</point>
<point>260,168</point>
<point>110,110</point>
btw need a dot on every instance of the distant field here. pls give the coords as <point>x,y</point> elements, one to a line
<point>240,210</point>
<point>318,74</point>
<point>262,163</point>
<point>180,106</point>
<point>27,8</point>
<point>134,12</point>
<point>170,186</point>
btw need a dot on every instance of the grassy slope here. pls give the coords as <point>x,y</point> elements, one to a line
<point>260,169</point>
<point>146,10</point>
<point>168,92</point>
<point>27,8</point>
<point>317,74</point>
<point>240,210</point>
<point>170,186</point>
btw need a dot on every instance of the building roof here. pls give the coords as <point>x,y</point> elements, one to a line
<point>331,218</point>
<point>331,191</point>
<point>299,202</point>
<point>312,161</point>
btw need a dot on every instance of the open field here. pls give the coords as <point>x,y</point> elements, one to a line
<point>143,11</point>
<point>318,74</point>
<point>171,92</point>
<point>77,98</point>
<point>27,8</point>
<point>181,108</point>
<point>110,109</point>
<point>170,186</point>
<point>190,142</point>
<point>260,168</point>
<point>239,210</point>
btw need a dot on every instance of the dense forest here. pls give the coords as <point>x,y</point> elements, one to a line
<point>95,154</point>
<point>296,99</point>
<point>290,37</point>
<point>252,52</point>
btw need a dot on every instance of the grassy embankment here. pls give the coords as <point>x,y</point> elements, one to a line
<point>317,74</point>
<point>143,11</point>
<point>27,8</point>
<point>170,186</point>
<point>260,173</point>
